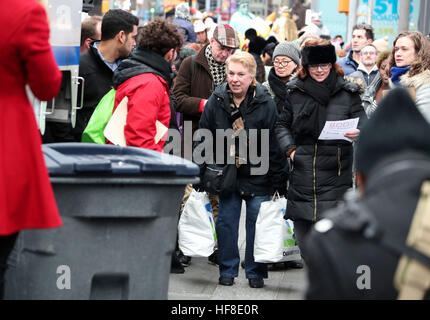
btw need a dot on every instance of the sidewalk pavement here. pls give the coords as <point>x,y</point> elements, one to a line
<point>200,281</point>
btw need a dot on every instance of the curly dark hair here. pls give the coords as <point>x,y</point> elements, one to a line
<point>159,36</point>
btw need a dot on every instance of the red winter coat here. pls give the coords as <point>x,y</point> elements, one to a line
<point>148,101</point>
<point>26,196</point>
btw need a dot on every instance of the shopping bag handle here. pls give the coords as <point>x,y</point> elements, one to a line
<point>276,196</point>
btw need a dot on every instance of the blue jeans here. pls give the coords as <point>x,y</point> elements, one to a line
<point>227,228</point>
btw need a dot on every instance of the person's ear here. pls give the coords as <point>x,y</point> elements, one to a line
<point>121,36</point>
<point>88,42</point>
<point>170,55</point>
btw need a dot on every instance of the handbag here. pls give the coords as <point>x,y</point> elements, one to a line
<point>274,237</point>
<point>221,179</point>
<point>196,230</point>
<point>218,179</point>
<point>93,132</point>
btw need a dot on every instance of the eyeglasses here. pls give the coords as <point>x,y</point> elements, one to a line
<point>283,63</point>
<point>323,66</point>
<point>368,53</point>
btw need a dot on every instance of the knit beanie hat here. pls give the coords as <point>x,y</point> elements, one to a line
<point>381,44</point>
<point>288,49</point>
<point>182,11</point>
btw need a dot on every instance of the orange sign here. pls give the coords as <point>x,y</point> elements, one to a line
<point>168,4</point>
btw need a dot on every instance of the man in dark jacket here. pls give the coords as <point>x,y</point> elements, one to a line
<point>370,246</point>
<point>362,34</point>
<point>96,66</point>
<point>367,70</point>
<point>208,66</point>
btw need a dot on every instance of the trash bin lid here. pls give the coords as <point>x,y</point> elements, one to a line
<point>67,159</point>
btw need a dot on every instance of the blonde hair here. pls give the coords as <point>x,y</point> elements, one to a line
<point>246,60</point>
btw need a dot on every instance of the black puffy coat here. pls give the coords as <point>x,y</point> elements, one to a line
<point>322,169</point>
<point>259,114</point>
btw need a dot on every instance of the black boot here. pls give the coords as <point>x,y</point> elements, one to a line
<point>176,266</point>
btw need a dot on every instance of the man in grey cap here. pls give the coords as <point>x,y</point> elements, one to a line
<point>197,78</point>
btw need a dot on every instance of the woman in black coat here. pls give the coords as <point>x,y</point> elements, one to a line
<point>241,108</point>
<point>321,170</point>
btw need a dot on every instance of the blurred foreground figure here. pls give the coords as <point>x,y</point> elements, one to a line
<point>376,245</point>
<point>26,197</point>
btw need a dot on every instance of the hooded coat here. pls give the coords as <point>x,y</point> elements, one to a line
<point>420,84</point>
<point>26,197</point>
<point>374,228</point>
<point>145,78</point>
<point>322,169</point>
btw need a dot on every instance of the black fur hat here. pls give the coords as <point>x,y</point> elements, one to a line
<point>397,125</point>
<point>318,54</point>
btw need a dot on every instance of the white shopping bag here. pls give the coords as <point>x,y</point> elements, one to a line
<point>274,238</point>
<point>196,230</point>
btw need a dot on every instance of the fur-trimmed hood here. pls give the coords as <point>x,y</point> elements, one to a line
<point>357,81</point>
<point>415,81</point>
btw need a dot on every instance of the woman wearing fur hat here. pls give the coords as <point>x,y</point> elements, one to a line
<point>321,170</point>
<point>410,68</point>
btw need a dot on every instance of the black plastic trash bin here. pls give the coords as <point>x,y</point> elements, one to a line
<point>119,208</point>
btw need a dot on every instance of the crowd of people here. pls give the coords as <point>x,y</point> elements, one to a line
<point>198,73</point>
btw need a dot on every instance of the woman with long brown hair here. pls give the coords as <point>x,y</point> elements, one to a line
<point>321,170</point>
<point>410,67</point>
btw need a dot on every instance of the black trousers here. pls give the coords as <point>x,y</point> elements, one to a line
<point>6,246</point>
<point>301,229</point>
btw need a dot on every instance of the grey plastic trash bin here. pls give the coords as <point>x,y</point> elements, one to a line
<point>119,208</point>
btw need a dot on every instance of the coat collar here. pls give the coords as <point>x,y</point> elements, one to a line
<point>415,81</point>
<point>297,84</point>
<point>260,96</point>
<point>362,68</point>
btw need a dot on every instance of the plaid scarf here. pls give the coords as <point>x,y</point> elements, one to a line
<point>217,69</point>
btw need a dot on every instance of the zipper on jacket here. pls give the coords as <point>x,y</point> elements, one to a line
<point>315,183</point>
<point>339,165</point>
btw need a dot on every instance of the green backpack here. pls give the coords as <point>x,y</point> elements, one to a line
<point>93,133</point>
